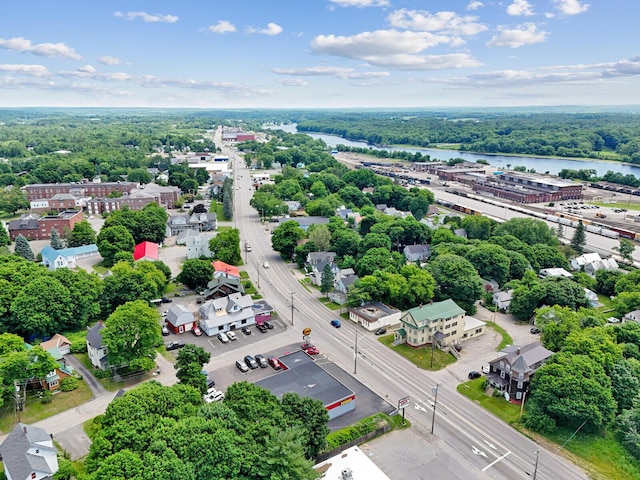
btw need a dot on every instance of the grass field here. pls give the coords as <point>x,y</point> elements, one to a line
<point>424,358</point>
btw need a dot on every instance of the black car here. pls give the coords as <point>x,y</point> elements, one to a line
<point>251,362</point>
<point>261,360</point>
<point>269,325</point>
<point>262,327</point>
<point>246,330</point>
<point>174,345</point>
<point>473,375</point>
<point>534,330</point>
<point>381,331</point>
<point>166,300</point>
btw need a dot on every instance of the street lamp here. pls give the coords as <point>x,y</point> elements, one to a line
<point>258,270</point>
<point>434,390</point>
<point>355,355</point>
<point>291,308</point>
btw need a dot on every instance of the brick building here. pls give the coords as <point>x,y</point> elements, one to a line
<point>135,201</point>
<point>33,228</point>
<point>58,203</point>
<point>88,189</point>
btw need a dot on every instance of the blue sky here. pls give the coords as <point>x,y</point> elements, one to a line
<point>318,53</point>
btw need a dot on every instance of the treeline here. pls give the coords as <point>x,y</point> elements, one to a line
<point>592,135</point>
<point>590,175</point>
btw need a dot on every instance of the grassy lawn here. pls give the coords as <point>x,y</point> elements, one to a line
<point>601,456</point>
<point>421,357</point>
<point>329,304</point>
<point>506,338</point>
<point>107,383</point>
<point>35,410</point>
<point>622,204</point>
<point>607,304</point>
<point>217,208</point>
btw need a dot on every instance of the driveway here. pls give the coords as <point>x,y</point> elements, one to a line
<point>96,387</point>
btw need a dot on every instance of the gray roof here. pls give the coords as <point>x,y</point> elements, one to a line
<point>524,359</point>
<point>14,450</point>
<point>94,339</point>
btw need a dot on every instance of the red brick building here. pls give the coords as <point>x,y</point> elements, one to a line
<point>88,189</point>
<point>33,228</point>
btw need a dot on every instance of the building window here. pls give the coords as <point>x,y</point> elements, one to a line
<point>521,375</point>
<point>447,326</point>
<point>243,321</point>
<point>53,384</point>
<point>519,396</point>
<point>520,385</point>
<point>220,328</point>
<point>454,324</point>
<point>454,332</point>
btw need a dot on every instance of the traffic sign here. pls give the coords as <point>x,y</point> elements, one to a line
<point>306,332</point>
<point>403,402</point>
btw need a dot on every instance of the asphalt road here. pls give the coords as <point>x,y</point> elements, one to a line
<point>471,435</point>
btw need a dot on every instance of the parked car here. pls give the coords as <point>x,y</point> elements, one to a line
<point>240,365</point>
<point>166,300</point>
<point>534,330</point>
<point>274,362</point>
<point>210,381</point>
<point>262,327</point>
<point>251,362</point>
<point>246,330</point>
<point>164,314</point>
<point>269,325</point>
<point>486,369</point>
<point>473,374</point>
<point>213,396</point>
<point>261,360</point>
<point>248,248</point>
<point>174,345</point>
<point>165,331</point>
<point>381,331</point>
<point>196,331</point>
<point>335,323</point>
<point>223,337</point>
<point>232,336</point>
<point>265,264</point>
<point>309,349</point>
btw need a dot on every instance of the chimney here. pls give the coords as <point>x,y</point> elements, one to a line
<point>24,429</point>
<point>518,351</point>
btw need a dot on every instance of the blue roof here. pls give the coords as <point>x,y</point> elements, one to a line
<point>68,252</point>
<point>50,253</point>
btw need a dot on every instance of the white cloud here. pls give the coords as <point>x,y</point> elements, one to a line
<point>339,72</point>
<point>147,17</point>
<point>31,70</point>
<point>293,82</point>
<point>475,5</point>
<point>426,62</point>
<point>361,3</point>
<point>444,22</point>
<point>272,29</point>
<point>513,38</point>
<point>109,60</point>
<point>520,8</point>
<point>626,67</point>
<point>223,26</point>
<point>22,45</point>
<point>87,69</point>
<point>570,7</point>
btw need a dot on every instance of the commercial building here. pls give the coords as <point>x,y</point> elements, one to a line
<point>33,227</point>
<point>87,189</point>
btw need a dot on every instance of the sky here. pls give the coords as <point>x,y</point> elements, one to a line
<point>318,53</point>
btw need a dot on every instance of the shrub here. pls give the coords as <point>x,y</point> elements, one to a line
<point>102,374</point>
<point>68,384</point>
<point>47,397</point>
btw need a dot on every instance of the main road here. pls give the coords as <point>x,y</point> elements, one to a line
<point>495,449</point>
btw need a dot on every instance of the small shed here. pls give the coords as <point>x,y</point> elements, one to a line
<point>180,320</point>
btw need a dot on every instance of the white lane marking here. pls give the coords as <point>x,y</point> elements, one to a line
<point>495,461</point>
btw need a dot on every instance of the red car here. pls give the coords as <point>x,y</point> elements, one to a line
<point>309,349</point>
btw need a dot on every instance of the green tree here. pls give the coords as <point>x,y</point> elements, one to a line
<point>12,199</point>
<point>127,282</point>
<point>189,365</point>
<point>625,385</point>
<point>25,364</point>
<point>606,281</point>
<point>326,280</point>
<point>55,240</point>
<point>23,249</point>
<point>478,227</point>
<point>85,291</point>
<point>625,249</point>
<point>82,234</point>
<point>628,429</point>
<point>226,246</point>
<point>112,240</point>
<point>4,236</point>
<point>579,238</point>
<point>131,333</point>
<point>311,415</point>
<point>378,259</point>
<point>529,230</point>
<point>457,279</point>
<point>196,273</point>
<point>321,236</point>
<point>589,400</point>
<point>345,242</point>
<point>285,238</point>
<point>491,262</point>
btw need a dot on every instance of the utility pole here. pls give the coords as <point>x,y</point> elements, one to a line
<point>434,390</point>
<point>355,355</point>
<point>535,470</point>
<point>258,270</point>
<point>291,308</point>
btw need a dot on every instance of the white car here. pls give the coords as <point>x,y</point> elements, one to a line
<point>265,264</point>
<point>213,395</point>
<point>231,336</point>
<point>223,337</point>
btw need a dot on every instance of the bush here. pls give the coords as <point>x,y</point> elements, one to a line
<point>68,384</point>
<point>47,397</point>
<point>364,426</point>
<point>100,374</point>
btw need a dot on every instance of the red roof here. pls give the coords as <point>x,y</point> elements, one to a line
<point>146,250</point>
<point>219,266</point>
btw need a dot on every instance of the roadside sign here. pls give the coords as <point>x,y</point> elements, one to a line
<point>403,402</point>
<point>306,332</point>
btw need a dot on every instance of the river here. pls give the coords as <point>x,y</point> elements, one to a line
<point>540,164</point>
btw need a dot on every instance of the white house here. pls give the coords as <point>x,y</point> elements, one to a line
<point>415,253</point>
<point>633,316</point>
<point>96,349</point>
<point>198,245</point>
<point>28,452</point>
<point>502,299</point>
<point>375,315</point>
<point>591,262</point>
<point>66,257</point>
<point>226,313</point>
<point>554,272</point>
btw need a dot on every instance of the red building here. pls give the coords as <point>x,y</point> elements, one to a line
<point>33,228</point>
<point>146,251</point>
<point>88,189</point>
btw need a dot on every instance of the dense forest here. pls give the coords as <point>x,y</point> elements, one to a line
<point>612,136</point>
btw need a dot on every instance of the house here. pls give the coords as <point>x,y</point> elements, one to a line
<point>633,316</point>
<point>511,372</point>
<point>223,285</point>
<point>177,224</point>
<point>203,222</point>
<point>432,210</point>
<point>417,253</point>
<point>293,205</point>
<point>554,272</point>
<point>316,258</point>
<point>179,319</point>
<point>96,349</point>
<point>146,251</point>
<point>66,257</point>
<point>591,262</point>
<point>28,452</point>
<point>460,232</point>
<point>502,299</point>
<point>592,297</point>
<point>224,269</point>
<point>63,370</point>
<point>489,285</point>
<point>343,283</point>
<point>305,222</point>
<point>198,245</point>
<point>226,313</point>
<point>344,212</point>
<point>439,322</point>
<point>374,315</point>
<point>58,341</point>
